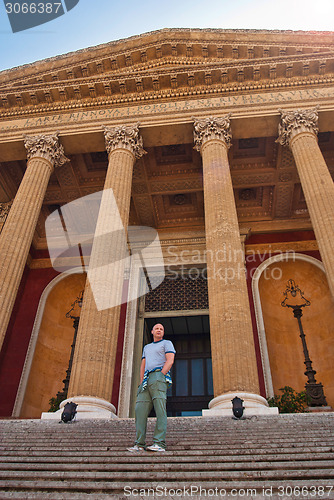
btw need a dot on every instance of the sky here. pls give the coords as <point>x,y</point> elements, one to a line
<point>92,22</point>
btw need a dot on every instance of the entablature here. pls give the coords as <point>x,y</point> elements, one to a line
<point>166,64</point>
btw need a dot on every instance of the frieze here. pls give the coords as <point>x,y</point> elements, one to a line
<point>159,109</point>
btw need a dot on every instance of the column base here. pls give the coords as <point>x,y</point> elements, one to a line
<point>318,409</point>
<point>253,404</point>
<point>88,408</point>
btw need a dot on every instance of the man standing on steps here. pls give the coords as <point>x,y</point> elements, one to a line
<point>157,360</point>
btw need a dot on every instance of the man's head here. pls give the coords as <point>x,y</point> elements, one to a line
<point>158,332</point>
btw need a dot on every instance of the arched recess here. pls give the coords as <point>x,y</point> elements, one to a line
<point>50,346</point>
<point>281,347</point>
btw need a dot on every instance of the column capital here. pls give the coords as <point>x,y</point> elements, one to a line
<point>212,128</point>
<point>124,137</point>
<point>295,122</point>
<point>45,146</point>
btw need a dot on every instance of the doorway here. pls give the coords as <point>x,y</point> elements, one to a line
<point>192,387</point>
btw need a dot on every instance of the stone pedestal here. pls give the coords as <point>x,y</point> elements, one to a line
<point>92,408</point>
<point>95,352</point>
<point>44,153</point>
<point>298,130</point>
<point>232,345</point>
<point>253,404</point>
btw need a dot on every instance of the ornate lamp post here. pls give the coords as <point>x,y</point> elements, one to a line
<point>295,299</point>
<point>73,313</point>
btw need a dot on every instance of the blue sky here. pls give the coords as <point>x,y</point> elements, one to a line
<point>93,22</point>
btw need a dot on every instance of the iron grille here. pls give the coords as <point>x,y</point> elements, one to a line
<point>179,293</point>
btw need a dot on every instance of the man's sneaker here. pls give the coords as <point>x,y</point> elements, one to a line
<point>155,447</point>
<point>136,448</point>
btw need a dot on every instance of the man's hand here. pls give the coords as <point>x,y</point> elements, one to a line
<point>142,369</point>
<point>169,362</point>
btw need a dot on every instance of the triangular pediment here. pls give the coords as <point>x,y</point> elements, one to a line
<point>163,62</point>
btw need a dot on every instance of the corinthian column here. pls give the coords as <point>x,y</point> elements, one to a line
<point>232,345</point>
<point>298,129</point>
<point>93,367</point>
<point>44,154</point>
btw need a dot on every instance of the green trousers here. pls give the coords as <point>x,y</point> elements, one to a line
<point>155,395</point>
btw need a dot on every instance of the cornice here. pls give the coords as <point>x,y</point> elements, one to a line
<point>185,35</point>
<point>170,65</point>
<point>160,64</point>
<point>112,68</point>
<point>91,103</point>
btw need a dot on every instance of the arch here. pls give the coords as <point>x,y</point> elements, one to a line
<point>34,338</point>
<point>259,313</point>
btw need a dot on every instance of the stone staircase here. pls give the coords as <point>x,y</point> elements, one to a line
<point>284,456</point>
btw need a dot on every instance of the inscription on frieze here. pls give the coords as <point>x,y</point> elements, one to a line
<point>163,108</point>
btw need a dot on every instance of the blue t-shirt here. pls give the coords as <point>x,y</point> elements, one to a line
<point>155,353</point>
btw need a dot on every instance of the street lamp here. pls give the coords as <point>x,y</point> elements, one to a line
<point>295,299</point>
<point>73,313</point>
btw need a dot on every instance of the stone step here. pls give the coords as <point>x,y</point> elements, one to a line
<point>291,453</point>
<point>71,429</point>
<point>179,446</point>
<point>155,475</point>
<point>170,466</point>
<point>321,487</point>
<point>107,451</point>
<point>41,459</point>
<point>186,446</point>
<point>174,457</point>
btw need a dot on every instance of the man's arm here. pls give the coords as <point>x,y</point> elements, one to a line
<point>142,369</point>
<point>168,363</point>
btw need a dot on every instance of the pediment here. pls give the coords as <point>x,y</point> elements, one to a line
<point>165,62</point>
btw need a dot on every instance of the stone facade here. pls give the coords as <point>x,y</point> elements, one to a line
<point>222,141</point>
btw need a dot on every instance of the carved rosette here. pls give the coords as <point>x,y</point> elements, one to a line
<point>124,137</point>
<point>295,122</point>
<point>45,146</point>
<point>212,128</point>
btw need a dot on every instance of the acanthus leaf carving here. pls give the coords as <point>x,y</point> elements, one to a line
<point>212,128</point>
<point>45,146</point>
<point>124,137</point>
<point>296,121</point>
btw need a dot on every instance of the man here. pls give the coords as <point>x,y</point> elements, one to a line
<point>157,360</point>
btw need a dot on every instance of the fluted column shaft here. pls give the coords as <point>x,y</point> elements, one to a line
<point>232,344</point>
<point>44,153</point>
<point>299,131</point>
<point>95,352</point>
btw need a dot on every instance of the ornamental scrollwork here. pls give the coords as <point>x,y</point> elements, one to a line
<point>212,128</point>
<point>45,146</point>
<point>300,120</point>
<point>124,137</point>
